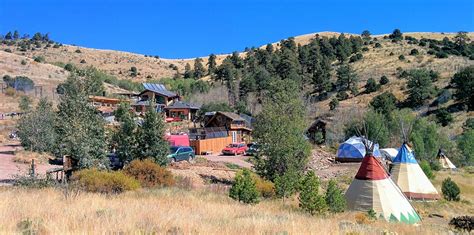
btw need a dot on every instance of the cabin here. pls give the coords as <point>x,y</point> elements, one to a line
<point>238,127</point>
<point>208,140</point>
<point>182,110</point>
<point>157,92</point>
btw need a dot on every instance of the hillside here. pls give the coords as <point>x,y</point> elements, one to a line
<point>376,62</point>
<point>118,63</point>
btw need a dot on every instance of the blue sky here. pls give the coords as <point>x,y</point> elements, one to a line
<point>184,29</point>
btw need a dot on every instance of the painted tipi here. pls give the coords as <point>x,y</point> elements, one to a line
<point>372,189</point>
<point>444,161</point>
<point>410,178</point>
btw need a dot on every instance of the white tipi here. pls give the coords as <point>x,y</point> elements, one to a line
<point>409,176</point>
<point>444,161</point>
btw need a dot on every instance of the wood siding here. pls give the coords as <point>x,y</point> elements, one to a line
<point>214,145</point>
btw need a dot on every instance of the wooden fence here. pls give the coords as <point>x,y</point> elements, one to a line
<point>213,145</point>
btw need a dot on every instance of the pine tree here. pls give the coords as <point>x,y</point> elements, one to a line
<point>80,128</point>
<point>420,88</point>
<point>8,36</point>
<point>366,35</point>
<point>126,136</point>
<point>335,198</point>
<point>212,64</point>
<point>151,142</point>
<point>36,129</point>
<point>25,103</point>
<point>244,188</point>
<point>371,86</point>
<point>287,184</point>
<point>309,199</point>
<point>16,35</point>
<point>236,60</point>
<point>188,72</point>
<point>347,79</point>
<point>322,76</point>
<point>283,145</point>
<point>199,70</point>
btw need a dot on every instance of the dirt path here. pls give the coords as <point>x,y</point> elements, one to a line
<point>237,160</point>
<point>9,168</point>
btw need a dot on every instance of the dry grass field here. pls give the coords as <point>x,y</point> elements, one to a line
<point>181,211</point>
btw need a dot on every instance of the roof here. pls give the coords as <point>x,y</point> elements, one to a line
<point>233,116</point>
<point>405,155</point>
<point>159,89</point>
<point>104,99</point>
<point>182,105</point>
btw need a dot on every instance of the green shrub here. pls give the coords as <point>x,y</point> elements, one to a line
<point>371,86</point>
<point>384,80</point>
<point>401,57</point>
<point>287,184</point>
<point>23,62</point>
<point>39,59</point>
<point>444,117</point>
<point>309,199</point>
<point>265,187</point>
<point>342,95</point>
<point>78,51</point>
<point>425,166</point>
<point>93,180</point>
<point>244,188</point>
<point>451,191</point>
<point>333,104</point>
<point>149,174</point>
<point>378,45</point>
<point>371,214</point>
<point>441,55</point>
<point>414,52</point>
<point>335,198</point>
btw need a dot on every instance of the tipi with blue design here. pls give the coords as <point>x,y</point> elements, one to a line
<point>353,150</point>
<point>409,176</point>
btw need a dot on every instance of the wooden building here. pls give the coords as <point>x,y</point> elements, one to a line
<point>156,92</point>
<point>182,110</point>
<point>105,105</point>
<point>208,140</point>
<point>239,128</point>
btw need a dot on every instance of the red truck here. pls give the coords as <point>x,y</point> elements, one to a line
<point>235,149</point>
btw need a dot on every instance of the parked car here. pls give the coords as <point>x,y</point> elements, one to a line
<point>180,153</point>
<point>252,149</point>
<point>235,149</point>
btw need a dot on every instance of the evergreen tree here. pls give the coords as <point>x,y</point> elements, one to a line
<point>283,145</point>
<point>371,86</point>
<point>365,35</point>
<point>347,79</point>
<point>289,66</point>
<point>37,37</point>
<point>420,88</point>
<point>247,85</point>
<point>36,129</point>
<point>335,198</point>
<point>228,74</point>
<point>199,70</point>
<point>465,144</point>
<point>287,184</point>
<point>396,35</point>
<point>25,103</point>
<point>236,60</point>
<point>309,199</point>
<point>383,80</point>
<point>16,35</point>
<point>80,128</point>
<point>463,82</point>
<point>244,188</point>
<point>125,137</point>
<point>152,143</point>
<point>188,72</point>
<point>384,103</point>
<point>8,36</point>
<point>212,64</point>
<point>450,189</point>
<point>322,76</point>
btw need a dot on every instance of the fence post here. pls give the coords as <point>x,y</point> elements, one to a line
<point>32,170</point>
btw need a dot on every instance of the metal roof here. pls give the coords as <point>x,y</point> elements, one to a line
<point>182,105</point>
<point>159,88</point>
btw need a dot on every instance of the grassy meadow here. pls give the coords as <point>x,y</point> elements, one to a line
<point>184,211</point>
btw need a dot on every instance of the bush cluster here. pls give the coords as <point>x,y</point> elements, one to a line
<point>93,180</point>
<point>149,174</point>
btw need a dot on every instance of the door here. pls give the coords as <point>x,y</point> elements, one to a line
<point>234,136</point>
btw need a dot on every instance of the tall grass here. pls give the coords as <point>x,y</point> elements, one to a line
<point>167,210</point>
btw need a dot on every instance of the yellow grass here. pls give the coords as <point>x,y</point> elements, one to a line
<point>170,210</point>
<point>25,157</point>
